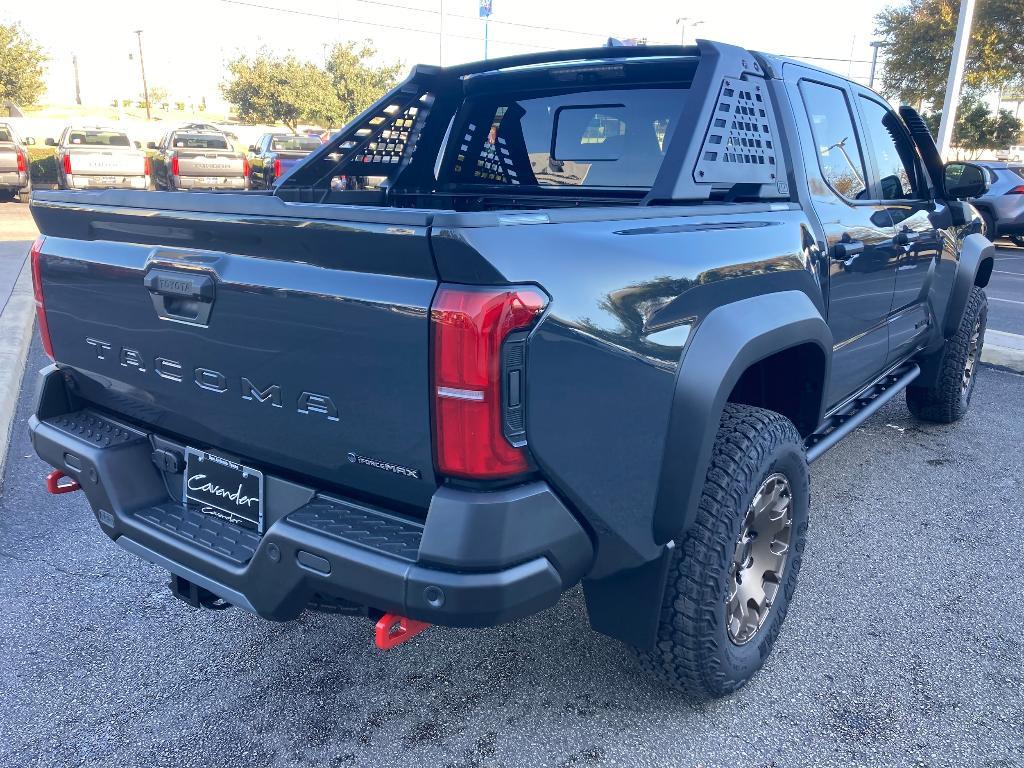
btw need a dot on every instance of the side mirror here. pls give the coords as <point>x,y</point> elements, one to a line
<point>964,181</point>
<point>150,145</point>
<point>29,141</point>
<point>51,142</point>
<point>138,144</point>
<point>252,148</point>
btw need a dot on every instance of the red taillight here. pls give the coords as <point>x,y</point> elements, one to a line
<point>37,288</point>
<point>145,165</point>
<point>174,166</point>
<point>1018,190</point>
<point>468,328</point>
<point>245,167</point>
<point>277,167</point>
<point>67,164</point>
<point>22,162</point>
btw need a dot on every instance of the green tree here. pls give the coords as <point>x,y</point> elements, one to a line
<point>21,66</point>
<point>268,89</point>
<point>977,129</point>
<point>356,81</point>
<point>918,38</point>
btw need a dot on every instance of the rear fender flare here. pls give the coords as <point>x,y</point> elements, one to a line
<point>728,341</point>
<point>977,258</point>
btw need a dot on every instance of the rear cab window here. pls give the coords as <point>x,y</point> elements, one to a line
<point>98,138</point>
<point>5,134</point>
<point>294,144</point>
<point>602,138</point>
<point>198,141</point>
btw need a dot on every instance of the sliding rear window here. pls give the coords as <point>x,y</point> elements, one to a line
<point>98,138</point>
<point>198,141</point>
<point>601,138</point>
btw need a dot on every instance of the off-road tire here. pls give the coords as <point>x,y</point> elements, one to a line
<point>694,652</point>
<point>948,399</point>
<point>24,194</point>
<point>990,224</point>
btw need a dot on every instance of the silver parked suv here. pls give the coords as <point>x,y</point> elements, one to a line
<point>1002,207</point>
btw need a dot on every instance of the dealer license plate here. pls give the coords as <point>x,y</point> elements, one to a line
<point>224,489</point>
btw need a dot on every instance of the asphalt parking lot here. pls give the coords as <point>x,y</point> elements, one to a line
<point>903,646</point>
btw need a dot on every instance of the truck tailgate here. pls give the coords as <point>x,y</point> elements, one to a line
<point>209,163</point>
<point>107,163</point>
<point>295,343</point>
<point>8,159</point>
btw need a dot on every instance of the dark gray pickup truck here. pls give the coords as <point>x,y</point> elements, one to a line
<point>584,316</point>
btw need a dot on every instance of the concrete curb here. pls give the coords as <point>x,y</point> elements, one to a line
<point>15,338</point>
<point>1005,350</point>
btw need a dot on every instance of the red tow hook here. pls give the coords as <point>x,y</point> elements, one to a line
<point>54,485</point>
<point>393,630</point>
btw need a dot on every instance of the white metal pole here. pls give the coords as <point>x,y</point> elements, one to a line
<point>440,39</point>
<point>956,76</point>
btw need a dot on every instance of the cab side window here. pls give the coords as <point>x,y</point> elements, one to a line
<point>894,157</point>
<point>835,140</point>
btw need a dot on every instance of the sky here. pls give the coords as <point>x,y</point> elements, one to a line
<point>186,42</point>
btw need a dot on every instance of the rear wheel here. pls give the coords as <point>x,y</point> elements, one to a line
<point>24,194</point>
<point>733,575</point>
<point>948,399</point>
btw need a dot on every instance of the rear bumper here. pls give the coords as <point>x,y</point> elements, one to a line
<point>13,180</point>
<point>117,181</point>
<point>198,182</point>
<point>479,558</point>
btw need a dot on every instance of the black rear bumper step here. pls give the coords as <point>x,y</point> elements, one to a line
<point>479,558</point>
<point>859,409</point>
<point>224,539</point>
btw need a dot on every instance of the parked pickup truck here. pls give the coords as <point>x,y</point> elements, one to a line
<point>274,154</point>
<point>15,180</point>
<point>94,157</point>
<point>595,321</point>
<point>191,158</point>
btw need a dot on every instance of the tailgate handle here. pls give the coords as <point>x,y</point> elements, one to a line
<point>185,297</point>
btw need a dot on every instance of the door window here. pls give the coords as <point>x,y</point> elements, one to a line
<point>891,150</point>
<point>835,140</point>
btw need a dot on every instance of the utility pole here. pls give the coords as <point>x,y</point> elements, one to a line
<point>956,76</point>
<point>78,87</point>
<point>142,66</point>
<point>682,24</point>
<point>875,45</point>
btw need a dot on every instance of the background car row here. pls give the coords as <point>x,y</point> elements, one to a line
<point>194,156</point>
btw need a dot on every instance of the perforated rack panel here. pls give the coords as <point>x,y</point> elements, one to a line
<point>740,144</point>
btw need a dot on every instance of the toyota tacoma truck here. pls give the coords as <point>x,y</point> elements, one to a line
<point>201,159</point>
<point>15,176</point>
<point>97,157</point>
<point>275,154</point>
<point>590,319</point>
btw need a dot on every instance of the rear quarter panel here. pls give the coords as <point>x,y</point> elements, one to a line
<point>626,296</point>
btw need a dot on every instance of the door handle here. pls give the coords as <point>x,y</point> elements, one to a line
<point>181,296</point>
<point>907,236</point>
<point>846,249</point>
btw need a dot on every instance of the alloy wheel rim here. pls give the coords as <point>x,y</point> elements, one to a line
<point>973,349</point>
<point>759,561</point>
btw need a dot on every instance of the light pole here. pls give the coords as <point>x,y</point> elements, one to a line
<point>875,45</point>
<point>956,76</point>
<point>681,21</point>
<point>142,66</point>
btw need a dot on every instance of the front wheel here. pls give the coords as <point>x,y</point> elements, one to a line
<point>734,573</point>
<point>1017,240</point>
